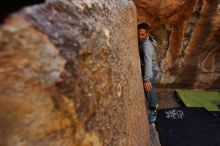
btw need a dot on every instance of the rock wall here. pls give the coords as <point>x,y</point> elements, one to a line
<point>188,33</point>
<point>70,76</point>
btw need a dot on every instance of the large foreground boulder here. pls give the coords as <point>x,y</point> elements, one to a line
<point>70,76</point>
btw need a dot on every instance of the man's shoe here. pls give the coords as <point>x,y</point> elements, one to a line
<point>153,116</point>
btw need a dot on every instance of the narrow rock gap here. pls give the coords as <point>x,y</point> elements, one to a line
<point>190,26</point>
<point>9,6</point>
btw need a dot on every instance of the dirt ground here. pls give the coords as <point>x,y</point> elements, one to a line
<point>166,98</point>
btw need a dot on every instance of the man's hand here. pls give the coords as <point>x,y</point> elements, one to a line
<point>147,86</point>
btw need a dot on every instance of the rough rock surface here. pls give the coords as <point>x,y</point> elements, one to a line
<point>70,76</point>
<point>188,34</point>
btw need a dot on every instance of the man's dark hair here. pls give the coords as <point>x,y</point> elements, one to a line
<point>144,26</point>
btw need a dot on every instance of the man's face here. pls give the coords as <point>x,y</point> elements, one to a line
<point>142,34</point>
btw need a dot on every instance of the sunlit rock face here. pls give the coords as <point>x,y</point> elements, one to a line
<point>188,33</point>
<point>70,76</point>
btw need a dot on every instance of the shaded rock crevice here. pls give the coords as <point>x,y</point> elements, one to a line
<point>10,6</point>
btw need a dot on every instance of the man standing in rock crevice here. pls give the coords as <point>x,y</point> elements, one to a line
<point>149,67</point>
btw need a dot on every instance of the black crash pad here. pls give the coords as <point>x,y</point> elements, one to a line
<point>188,127</point>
